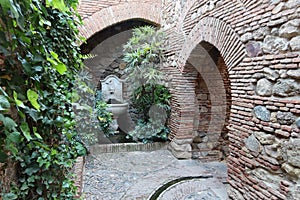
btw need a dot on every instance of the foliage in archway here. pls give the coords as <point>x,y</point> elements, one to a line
<point>39,60</point>
<point>144,55</point>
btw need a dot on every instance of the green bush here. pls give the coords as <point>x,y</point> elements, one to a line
<point>144,57</point>
<point>39,62</point>
<point>104,116</point>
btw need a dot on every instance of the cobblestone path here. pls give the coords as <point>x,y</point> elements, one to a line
<point>137,175</point>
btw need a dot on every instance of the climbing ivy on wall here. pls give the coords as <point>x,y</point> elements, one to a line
<point>39,60</point>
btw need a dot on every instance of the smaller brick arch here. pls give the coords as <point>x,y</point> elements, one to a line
<point>217,33</point>
<point>121,12</point>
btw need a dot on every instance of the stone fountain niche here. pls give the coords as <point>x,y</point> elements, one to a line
<point>112,92</point>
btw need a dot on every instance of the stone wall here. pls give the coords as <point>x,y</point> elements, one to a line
<point>258,41</point>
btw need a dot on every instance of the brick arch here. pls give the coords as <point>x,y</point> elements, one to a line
<point>120,12</point>
<point>220,35</point>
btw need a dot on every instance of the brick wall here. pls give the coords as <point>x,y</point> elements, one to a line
<point>258,70</point>
<point>259,43</point>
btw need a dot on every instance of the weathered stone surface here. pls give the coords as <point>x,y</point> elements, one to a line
<point>294,73</point>
<point>183,141</point>
<point>275,31</point>
<point>292,3</point>
<point>270,179</point>
<point>274,2</point>
<point>183,151</point>
<point>298,122</point>
<point>270,74</point>
<point>278,8</point>
<point>290,29</point>
<point>277,22</point>
<point>274,150</point>
<point>246,37</point>
<point>264,87</point>
<point>292,171</point>
<point>291,152</point>
<point>264,138</point>
<point>295,43</point>
<point>274,44</point>
<point>286,88</point>
<point>282,73</point>
<point>253,145</point>
<point>234,194</point>
<point>285,118</point>
<point>261,33</point>
<point>253,48</point>
<point>258,76</point>
<point>262,113</point>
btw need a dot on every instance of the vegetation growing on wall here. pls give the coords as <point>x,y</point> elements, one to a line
<point>39,60</point>
<point>144,57</point>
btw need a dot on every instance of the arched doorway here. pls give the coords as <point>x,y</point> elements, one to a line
<point>213,100</point>
<point>106,53</point>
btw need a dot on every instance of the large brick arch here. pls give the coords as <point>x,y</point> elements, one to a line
<point>212,31</point>
<point>108,16</point>
<point>217,33</point>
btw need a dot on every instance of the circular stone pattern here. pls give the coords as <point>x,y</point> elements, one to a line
<point>195,189</point>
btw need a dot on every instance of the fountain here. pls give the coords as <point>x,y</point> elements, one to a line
<point>112,90</point>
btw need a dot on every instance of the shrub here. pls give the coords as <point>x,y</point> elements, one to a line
<point>144,57</point>
<point>39,62</point>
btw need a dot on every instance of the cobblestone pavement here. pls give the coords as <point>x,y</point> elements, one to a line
<point>137,175</point>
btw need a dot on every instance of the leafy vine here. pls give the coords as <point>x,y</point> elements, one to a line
<point>39,61</point>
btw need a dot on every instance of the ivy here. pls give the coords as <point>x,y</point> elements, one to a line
<point>39,63</point>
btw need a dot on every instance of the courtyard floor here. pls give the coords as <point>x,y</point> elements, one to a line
<point>138,175</point>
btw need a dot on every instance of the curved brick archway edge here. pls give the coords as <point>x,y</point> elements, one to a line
<point>114,14</point>
<point>226,40</point>
<point>217,33</point>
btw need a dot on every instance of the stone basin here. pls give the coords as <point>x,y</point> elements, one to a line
<point>117,109</point>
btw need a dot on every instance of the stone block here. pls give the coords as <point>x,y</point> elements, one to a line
<point>294,73</point>
<point>265,138</point>
<point>253,48</point>
<point>290,29</point>
<point>285,118</point>
<point>253,145</point>
<point>291,152</point>
<point>264,87</point>
<point>275,45</point>
<point>183,151</point>
<point>298,122</point>
<point>286,88</point>
<point>271,74</point>
<point>262,113</point>
<point>295,43</point>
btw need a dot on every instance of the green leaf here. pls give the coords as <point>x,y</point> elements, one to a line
<point>4,103</point>
<point>58,65</point>
<point>61,68</point>
<point>24,186</point>
<point>14,137</point>
<point>9,196</point>
<point>33,97</point>
<point>32,170</point>
<point>58,4</point>
<point>18,102</point>
<point>26,132</point>
<point>9,124</point>
<point>38,135</point>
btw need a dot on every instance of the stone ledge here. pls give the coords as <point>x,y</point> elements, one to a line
<point>127,147</point>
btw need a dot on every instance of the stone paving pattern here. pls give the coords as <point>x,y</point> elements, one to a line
<point>136,175</point>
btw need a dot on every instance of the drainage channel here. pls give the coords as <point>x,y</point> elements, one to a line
<point>169,184</point>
